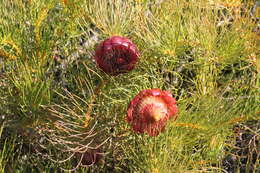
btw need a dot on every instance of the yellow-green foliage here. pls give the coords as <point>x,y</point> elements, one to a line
<point>49,83</point>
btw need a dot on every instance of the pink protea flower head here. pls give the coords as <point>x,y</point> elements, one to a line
<point>116,55</point>
<point>150,110</point>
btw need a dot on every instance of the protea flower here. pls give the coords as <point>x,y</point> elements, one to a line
<point>91,157</point>
<point>149,111</point>
<point>116,55</point>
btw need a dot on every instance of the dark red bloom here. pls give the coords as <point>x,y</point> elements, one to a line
<point>92,156</point>
<point>150,110</point>
<point>116,55</point>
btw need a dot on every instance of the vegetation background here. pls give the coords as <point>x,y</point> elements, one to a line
<point>56,104</point>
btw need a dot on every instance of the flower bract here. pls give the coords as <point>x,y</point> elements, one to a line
<point>116,55</point>
<point>149,111</point>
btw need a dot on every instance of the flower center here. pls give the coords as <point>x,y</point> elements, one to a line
<point>156,114</point>
<point>120,60</point>
<point>153,108</point>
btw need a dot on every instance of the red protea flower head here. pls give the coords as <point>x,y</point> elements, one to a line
<point>116,55</point>
<point>91,157</point>
<point>149,111</point>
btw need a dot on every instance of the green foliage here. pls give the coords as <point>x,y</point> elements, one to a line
<point>57,103</point>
